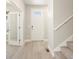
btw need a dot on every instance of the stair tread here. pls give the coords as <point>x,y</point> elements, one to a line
<point>59,55</point>
<point>67,52</point>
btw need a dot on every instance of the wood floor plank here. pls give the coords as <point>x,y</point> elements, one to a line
<point>33,50</point>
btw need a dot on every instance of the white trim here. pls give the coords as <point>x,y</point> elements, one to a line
<point>70,38</point>
<point>37,39</point>
<point>18,31</point>
<point>51,51</point>
<point>31,40</point>
<point>13,43</point>
<point>27,40</point>
<point>60,25</point>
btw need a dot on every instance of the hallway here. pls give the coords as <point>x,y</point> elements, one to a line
<point>27,21</point>
<point>42,29</point>
<point>33,50</point>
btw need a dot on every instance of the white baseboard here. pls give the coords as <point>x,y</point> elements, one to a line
<point>32,40</point>
<point>15,43</point>
<point>70,38</point>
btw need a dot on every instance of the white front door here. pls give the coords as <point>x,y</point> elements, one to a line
<point>14,32</point>
<point>37,24</point>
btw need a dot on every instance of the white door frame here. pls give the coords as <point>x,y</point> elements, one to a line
<point>18,30</point>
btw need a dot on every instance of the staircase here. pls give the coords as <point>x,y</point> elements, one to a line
<point>66,52</point>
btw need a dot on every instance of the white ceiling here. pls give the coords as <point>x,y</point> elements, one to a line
<point>36,2</point>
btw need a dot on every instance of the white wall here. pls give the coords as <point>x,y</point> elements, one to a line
<point>63,9</point>
<point>46,23</point>
<point>27,24</point>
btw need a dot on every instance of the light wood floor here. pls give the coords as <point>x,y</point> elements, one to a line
<point>11,51</point>
<point>33,50</point>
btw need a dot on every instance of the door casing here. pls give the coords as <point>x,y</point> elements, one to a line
<point>18,39</point>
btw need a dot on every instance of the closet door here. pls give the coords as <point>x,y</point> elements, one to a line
<point>14,30</point>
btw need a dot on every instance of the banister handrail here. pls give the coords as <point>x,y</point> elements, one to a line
<point>60,25</point>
